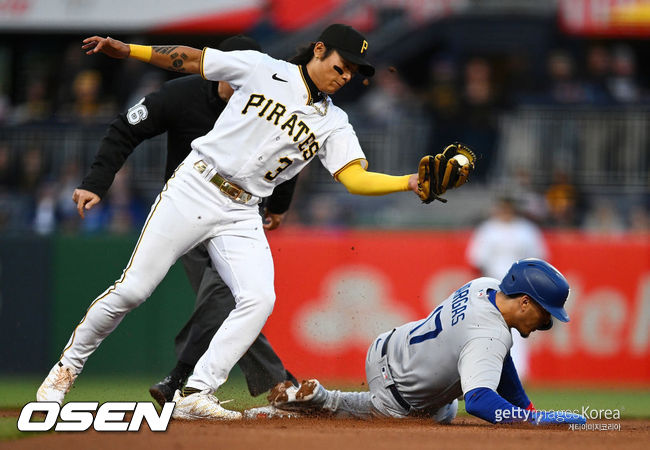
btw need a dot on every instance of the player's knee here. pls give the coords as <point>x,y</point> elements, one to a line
<point>265,303</point>
<point>132,295</point>
<point>258,301</point>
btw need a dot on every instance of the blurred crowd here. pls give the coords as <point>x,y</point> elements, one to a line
<point>34,198</point>
<point>460,98</point>
<point>465,100</point>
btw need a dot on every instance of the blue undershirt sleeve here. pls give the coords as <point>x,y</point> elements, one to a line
<point>488,405</point>
<point>510,387</point>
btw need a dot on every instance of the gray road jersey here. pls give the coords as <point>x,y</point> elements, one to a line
<point>460,346</point>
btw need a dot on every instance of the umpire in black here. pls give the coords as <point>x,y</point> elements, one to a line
<point>187,108</point>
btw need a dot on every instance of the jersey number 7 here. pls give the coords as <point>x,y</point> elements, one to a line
<point>435,315</point>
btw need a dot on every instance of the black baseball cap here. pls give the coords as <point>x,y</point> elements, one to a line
<point>350,44</point>
<point>239,42</point>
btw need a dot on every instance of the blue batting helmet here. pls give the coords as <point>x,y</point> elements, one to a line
<point>543,282</point>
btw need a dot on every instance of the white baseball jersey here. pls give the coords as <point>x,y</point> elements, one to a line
<point>497,244</point>
<point>460,346</point>
<point>269,131</point>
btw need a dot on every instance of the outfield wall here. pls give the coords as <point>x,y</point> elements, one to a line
<point>46,285</point>
<point>336,290</point>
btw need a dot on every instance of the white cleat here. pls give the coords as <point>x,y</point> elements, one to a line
<point>307,391</point>
<point>201,406</point>
<point>57,383</point>
<point>281,393</point>
<point>289,397</point>
<point>270,412</point>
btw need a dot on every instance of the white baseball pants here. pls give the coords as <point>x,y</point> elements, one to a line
<point>188,211</point>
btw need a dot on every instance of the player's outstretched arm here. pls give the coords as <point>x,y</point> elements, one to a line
<point>177,58</point>
<point>488,405</point>
<point>361,182</point>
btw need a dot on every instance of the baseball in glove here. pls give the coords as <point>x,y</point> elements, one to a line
<point>446,170</point>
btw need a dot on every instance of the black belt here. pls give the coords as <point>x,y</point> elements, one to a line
<point>392,388</point>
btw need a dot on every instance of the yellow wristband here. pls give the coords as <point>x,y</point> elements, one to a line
<point>140,52</point>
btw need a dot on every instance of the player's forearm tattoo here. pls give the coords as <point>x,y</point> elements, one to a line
<point>177,58</point>
<point>165,49</point>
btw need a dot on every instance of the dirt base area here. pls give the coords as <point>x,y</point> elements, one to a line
<point>329,434</point>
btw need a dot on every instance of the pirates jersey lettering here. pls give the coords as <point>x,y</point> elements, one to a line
<point>282,131</point>
<point>308,147</point>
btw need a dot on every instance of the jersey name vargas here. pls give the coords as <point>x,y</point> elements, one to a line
<point>297,130</point>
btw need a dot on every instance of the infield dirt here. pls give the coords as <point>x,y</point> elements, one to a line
<point>328,434</point>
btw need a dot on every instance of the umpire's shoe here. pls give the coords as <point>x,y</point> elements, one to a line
<point>163,391</point>
<point>57,383</point>
<point>201,406</point>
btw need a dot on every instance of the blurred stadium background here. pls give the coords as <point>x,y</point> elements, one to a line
<point>553,94</point>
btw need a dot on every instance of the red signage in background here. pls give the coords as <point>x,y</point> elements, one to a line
<point>214,17</point>
<point>291,15</point>
<point>608,338</point>
<point>605,17</point>
<point>234,21</point>
<point>336,291</point>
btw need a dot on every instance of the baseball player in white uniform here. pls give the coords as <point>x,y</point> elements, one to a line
<point>279,118</point>
<point>460,350</point>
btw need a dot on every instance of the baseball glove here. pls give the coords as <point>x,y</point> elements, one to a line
<point>446,170</point>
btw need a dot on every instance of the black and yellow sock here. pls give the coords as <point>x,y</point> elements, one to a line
<point>187,390</point>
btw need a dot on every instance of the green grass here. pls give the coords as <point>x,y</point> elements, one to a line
<point>8,430</point>
<point>16,391</point>
<point>632,403</point>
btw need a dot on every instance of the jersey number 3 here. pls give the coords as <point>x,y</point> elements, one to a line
<point>284,163</point>
<point>435,315</point>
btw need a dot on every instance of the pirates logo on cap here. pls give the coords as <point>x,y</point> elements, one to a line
<point>350,44</point>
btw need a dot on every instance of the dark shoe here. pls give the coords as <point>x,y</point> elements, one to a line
<point>163,391</point>
<point>291,378</point>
